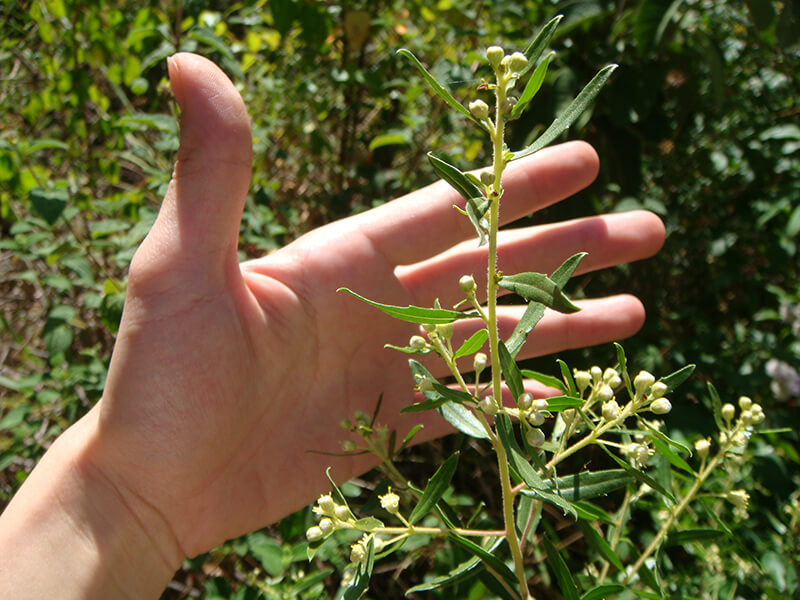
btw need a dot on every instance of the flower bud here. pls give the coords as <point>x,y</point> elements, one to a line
<point>611,410</point>
<point>479,109</point>
<point>596,373</point>
<point>314,533</point>
<point>357,552</point>
<point>429,327</point>
<point>445,330</point>
<point>467,284</point>
<point>582,380</point>
<point>426,384</point>
<point>540,404</point>
<point>747,417</point>
<point>660,406</point>
<point>745,403</point>
<point>525,401</point>
<point>390,502</point>
<point>349,445</point>
<point>609,373</point>
<point>326,525</point>
<point>495,55</point>
<point>488,405</point>
<point>741,438</point>
<point>728,411</point>
<point>487,177</point>
<point>341,512</point>
<point>535,418</point>
<point>739,498</point>
<point>508,105</point>
<point>702,446</point>
<point>605,393</point>
<point>479,362</point>
<point>326,504</point>
<point>517,62</point>
<point>535,437</point>
<point>643,381</point>
<point>658,389</point>
<point>417,342</point>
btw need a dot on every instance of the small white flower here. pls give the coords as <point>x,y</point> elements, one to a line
<point>739,498</point>
<point>357,552</point>
<point>605,393</point>
<point>611,410</point>
<point>479,362</point>
<point>596,373</point>
<point>495,55</point>
<point>541,404</point>
<point>658,389</point>
<point>326,504</point>
<point>488,405</point>
<point>326,525</point>
<point>517,62</point>
<point>390,502</point>
<point>487,177</point>
<point>745,403</point>
<point>741,438</point>
<point>702,446</point>
<point>342,513</point>
<point>582,380</point>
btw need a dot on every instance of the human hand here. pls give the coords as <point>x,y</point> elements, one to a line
<point>223,375</point>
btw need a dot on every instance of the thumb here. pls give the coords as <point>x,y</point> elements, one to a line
<point>196,233</point>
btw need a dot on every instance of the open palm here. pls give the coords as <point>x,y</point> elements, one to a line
<point>225,375</point>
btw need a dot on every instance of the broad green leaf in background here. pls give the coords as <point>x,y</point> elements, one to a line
<point>415,314</point>
<point>437,485</point>
<point>572,112</point>
<point>49,203</point>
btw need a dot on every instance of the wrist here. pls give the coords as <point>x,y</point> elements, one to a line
<point>72,532</point>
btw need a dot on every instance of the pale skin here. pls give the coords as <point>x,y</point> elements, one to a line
<point>224,375</point>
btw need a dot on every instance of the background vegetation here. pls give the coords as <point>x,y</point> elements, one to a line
<point>700,125</point>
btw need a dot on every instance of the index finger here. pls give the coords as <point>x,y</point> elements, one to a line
<point>425,223</point>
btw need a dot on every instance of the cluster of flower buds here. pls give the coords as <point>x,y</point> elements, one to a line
<point>334,516</point>
<point>739,432</point>
<point>534,411</point>
<point>638,453</point>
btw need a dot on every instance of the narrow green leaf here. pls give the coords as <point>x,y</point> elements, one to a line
<point>716,405</point>
<point>366,524</point>
<point>409,349</point>
<point>453,395</point>
<point>497,565</point>
<point>533,86</point>
<point>573,391</point>
<point>600,544</point>
<point>563,273</point>
<point>337,494</point>
<point>673,380</point>
<point>462,419</point>
<point>674,459</point>
<point>414,314</point>
<point>540,42</point>
<point>548,380</point>
<point>555,499</point>
<point>623,367</point>
<point>516,459</point>
<point>590,512</point>
<point>511,372</point>
<point>570,114</point>
<point>476,209</point>
<point>437,87</point>
<point>409,436</point>
<point>590,484</point>
<point>437,485</point>
<point>563,575</point>
<point>539,288</point>
<point>424,405</point>
<point>473,344</point>
<point>639,475</point>
<point>456,178</point>
<point>688,536</point>
<point>459,573</point>
<point>601,592</point>
<point>559,403</point>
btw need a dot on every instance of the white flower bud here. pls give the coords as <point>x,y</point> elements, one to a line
<point>417,342</point>
<point>426,384</point>
<point>596,373</point>
<point>739,498</point>
<point>445,330</point>
<point>747,417</point>
<point>390,502</point>
<point>757,415</point>
<point>745,403</point>
<point>728,411</point>
<point>611,410</point>
<point>535,437</point>
<point>479,362</point>
<point>658,389</point>
<point>723,438</point>
<point>608,374</point>
<point>357,552</point>
<point>495,55</point>
<point>535,418</point>
<point>314,533</point>
<point>525,401</point>
<point>341,512</point>
<point>429,327</point>
<point>540,404</point>
<point>479,109</point>
<point>661,406</point>
<point>517,62</point>
<point>605,393</point>
<point>643,381</point>
<point>582,380</point>
<point>326,504</point>
<point>326,525</point>
<point>702,446</point>
<point>741,438</point>
<point>488,405</point>
<point>467,284</point>
<point>487,177</point>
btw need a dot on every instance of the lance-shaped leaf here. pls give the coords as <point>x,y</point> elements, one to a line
<point>535,310</point>
<point>437,87</point>
<point>473,344</point>
<point>673,380</point>
<point>563,575</point>
<point>437,485</point>
<point>603,592</point>
<point>516,459</point>
<point>459,573</point>
<point>511,372</point>
<point>600,544</point>
<point>462,419</point>
<point>570,114</point>
<point>568,379</point>
<point>533,86</point>
<point>559,403</point>
<point>623,367</point>
<point>497,565</point>
<point>539,288</point>
<point>716,405</point>
<point>590,484</point>
<point>465,184</point>
<point>415,314</point>
<point>680,538</point>
<point>544,379</point>
<point>540,42</point>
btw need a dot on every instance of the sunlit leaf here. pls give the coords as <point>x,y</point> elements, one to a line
<point>539,288</point>
<point>673,380</point>
<point>511,372</point>
<point>463,419</point>
<point>540,42</point>
<point>533,86</point>
<point>437,485</point>
<point>548,380</point>
<point>473,344</point>
<point>414,314</point>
